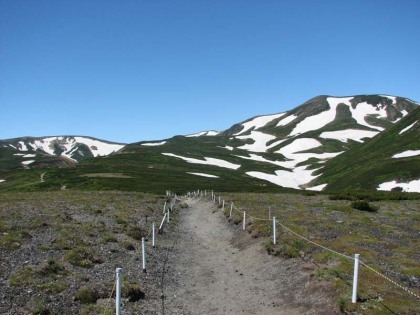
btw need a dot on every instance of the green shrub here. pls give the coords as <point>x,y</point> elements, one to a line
<point>363,205</point>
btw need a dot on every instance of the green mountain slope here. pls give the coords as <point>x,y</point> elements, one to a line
<point>370,164</point>
<point>331,143</point>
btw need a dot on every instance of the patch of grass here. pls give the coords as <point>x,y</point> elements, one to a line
<point>82,257</point>
<point>14,239</point>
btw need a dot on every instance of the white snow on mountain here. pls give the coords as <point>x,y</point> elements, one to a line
<point>364,109</point>
<point>29,155</point>
<point>207,161</point>
<point>407,153</point>
<point>22,146</point>
<point>258,122</point>
<point>392,98</point>
<point>296,176</point>
<point>153,144</point>
<point>99,148</point>
<point>28,162</point>
<point>69,144</point>
<point>227,147</point>
<point>260,141</point>
<point>2,180</point>
<point>203,175</point>
<point>346,134</point>
<point>318,121</point>
<point>412,186</point>
<point>407,128</point>
<point>286,120</point>
<point>258,158</point>
<point>317,188</point>
<point>291,179</point>
<point>298,145</point>
<point>204,133</point>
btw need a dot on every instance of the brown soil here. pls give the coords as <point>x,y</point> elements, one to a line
<point>217,268</point>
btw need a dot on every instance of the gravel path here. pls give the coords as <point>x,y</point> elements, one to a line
<point>219,269</point>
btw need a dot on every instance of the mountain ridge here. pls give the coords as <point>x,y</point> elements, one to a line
<point>288,149</point>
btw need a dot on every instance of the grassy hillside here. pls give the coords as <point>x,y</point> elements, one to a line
<point>387,241</point>
<point>368,165</point>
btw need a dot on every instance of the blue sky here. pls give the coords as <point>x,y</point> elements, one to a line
<point>136,70</point>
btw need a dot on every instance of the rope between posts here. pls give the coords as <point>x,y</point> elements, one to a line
<point>390,280</point>
<point>333,251</point>
<point>312,242</point>
<point>110,296</point>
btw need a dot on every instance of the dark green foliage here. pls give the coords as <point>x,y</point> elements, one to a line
<point>363,205</point>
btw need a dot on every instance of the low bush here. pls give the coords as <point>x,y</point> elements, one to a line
<point>363,205</point>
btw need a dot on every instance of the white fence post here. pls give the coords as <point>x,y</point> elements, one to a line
<point>167,217</point>
<point>219,200</point>
<point>223,205</point>
<point>355,276</point>
<point>164,207</point>
<point>143,255</point>
<point>244,222</point>
<point>118,273</point>
<point>231,208</point>
<point>153,235</point>
<point>161,223</point>
<point>274,230</point>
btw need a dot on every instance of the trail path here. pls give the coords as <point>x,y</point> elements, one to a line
<point>219,269</point>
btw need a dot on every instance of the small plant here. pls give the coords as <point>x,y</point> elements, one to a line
<point>87,295</point>
<point>363,205</point>
<point>82,257</point>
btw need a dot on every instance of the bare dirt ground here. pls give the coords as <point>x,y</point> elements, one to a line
<point>216,268</point>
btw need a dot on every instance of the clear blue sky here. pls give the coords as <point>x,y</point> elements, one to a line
<point>136,70</point>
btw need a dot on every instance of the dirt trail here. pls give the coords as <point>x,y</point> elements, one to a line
<point>219,269</point>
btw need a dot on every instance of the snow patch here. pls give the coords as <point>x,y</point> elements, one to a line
<point>290,179</point>
<point>320,120</point>
<point>364,109</point>
<point>2,180</point>
<point>317,188</point>
<point>23,146</point>
<point>392,98</point>
<point>258,122</point>
<point>407,153</point>
<point>102,148</point>
<point>152,144</point>
<point>19,154</point>
<point>260,141</point>
<point>28,162</point>
<point>207,161</point>
<point>29,155</point>
<point>203,174</point>
<point>203,133</point>
<point>407,128</point>
<point>227,147</point>
<point>346,134</point>
<point>286,120</point>
<point>258,158</point>
<point>412,186</point>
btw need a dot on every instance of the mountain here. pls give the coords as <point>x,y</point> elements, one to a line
<point>30,152</point>
<point>316,146</point>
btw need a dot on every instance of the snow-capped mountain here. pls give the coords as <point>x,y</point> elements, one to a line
<point>328,143</point>
<point>302,140</point>
<point>72,148</point>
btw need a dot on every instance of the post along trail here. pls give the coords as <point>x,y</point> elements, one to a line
<point>216,268</point>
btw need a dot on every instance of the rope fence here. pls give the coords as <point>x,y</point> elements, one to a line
<point>247,216</point>
<point>142,252</point>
